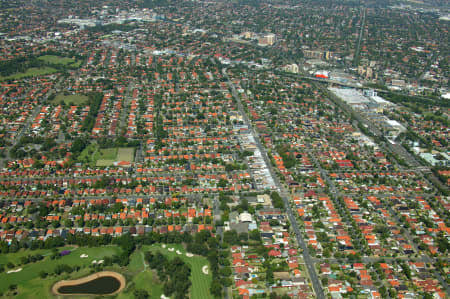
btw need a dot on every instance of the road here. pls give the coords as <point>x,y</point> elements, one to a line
<point>70,176</point>
<point>109,196</point>
<point>284,195</point>
<point>358,47</point>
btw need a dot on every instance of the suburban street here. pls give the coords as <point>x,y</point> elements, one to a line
<point>284,195</point>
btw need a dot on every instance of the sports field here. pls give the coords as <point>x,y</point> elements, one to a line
<point>125,154</point>
<point>108,156</point>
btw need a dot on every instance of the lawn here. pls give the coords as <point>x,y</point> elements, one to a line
<point>200,282</point>
<point>31,72</point>
<point>30,285</point>
<point>75,99</point>
<point>53,59</point>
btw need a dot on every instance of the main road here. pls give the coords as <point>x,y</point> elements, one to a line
<point>284,195</point>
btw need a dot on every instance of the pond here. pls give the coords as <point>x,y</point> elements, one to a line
<point>99,286</point>
<point>102,283</point>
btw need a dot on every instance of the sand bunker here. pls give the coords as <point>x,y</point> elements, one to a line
<point>14,271</point>
<point>163,245</point>
<point>205,270</point>
<point>164,297</point>
<point>188,254</point>
<point>179,252</point>
<point>83,256</point>
<point>171,249</point>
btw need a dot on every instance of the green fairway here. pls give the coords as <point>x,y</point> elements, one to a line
<point>200,281</point>
<point>15,257</point>
<point>53,59</point>
<point>143,278</point>
<point>31,72</point>
<point>142,282</point>
<point>28,280</point>
<point>136,262</point>
<point>75,99</point>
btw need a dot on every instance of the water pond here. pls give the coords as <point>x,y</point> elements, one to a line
<point>102,283</point>
<point>99,286</point>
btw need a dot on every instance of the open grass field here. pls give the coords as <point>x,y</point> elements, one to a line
<point>108,153</point>
<point>75,99</point>
<point>31,285</point>
<point>88,155</point>
<point>76,64</point>
<point>53,59</point>
<point>31,72</point>
<point>200,281</point>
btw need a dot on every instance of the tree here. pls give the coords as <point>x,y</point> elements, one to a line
<point>255,235</point>
<point>216,288</point>
<point>222,183</point>
<point>277,200</point>
<point>43,274</point>
<point>68,223</point>
<point>231,237</point>
<point>140,294</point>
